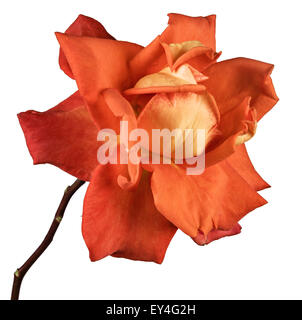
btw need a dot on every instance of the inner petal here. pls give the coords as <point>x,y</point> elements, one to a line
<point>178,49</point>
<point>184,75</point>
<point>167,78</point>
<point>181,111</point>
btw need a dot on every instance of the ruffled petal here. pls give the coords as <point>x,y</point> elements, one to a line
<point>174,51</point>
<point>82,26</point>
<point>184,28</point>
<point>123,223</point>
<point>190,52</point>
<point>217,199</point>
<point>98,64</point>
<point>216,234</point>
<point>64,136</point>
<point>241,162</point>
<point>231,81</point>
<point>155,56</point>
<point>234,129</point>
<point>122,109</point>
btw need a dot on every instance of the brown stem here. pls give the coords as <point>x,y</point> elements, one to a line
<point>20,273</point>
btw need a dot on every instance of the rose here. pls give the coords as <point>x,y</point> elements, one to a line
<point>133,210</point>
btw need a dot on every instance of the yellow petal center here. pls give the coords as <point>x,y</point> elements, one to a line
<point>182,76</point>
<point>182,111</point>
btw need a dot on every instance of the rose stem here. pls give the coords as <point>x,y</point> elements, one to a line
<point>20,273</point>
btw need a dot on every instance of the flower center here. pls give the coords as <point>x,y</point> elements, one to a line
<point>180,103</point>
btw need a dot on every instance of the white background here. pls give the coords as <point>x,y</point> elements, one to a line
<point>263,262</point>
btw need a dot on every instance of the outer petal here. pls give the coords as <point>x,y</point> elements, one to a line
<point>221,152</point>
<point>217,199</point>
<point>241,162</point>
<point>215,234</point>
<point>64,136</point>
<point>231,81</point>
<point>82,26</point>
<point>98,64</point>
<point>184,28</point>
<point>123,223</point>
<point>232,129</point>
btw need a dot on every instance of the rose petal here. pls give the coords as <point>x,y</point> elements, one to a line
<point>198,56</point>
<point>123,223</point>
<point>82,26</point>
<point>64,136</point>
<point>176,50</point>
<point>180,111</point>
<point>184,79</point>
<point>231,81</point>
<point>98,64</point>
<point>184,28</point>
<point>189,88</point>
<point>217,199</point>
<point>122,109</point>
<point>216,234</point>
<point>150,59</point>
<point>231,130</point>
<point>241,162</point>
<point>165,77</point>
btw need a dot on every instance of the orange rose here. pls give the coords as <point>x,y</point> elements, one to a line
<point>133,210</point>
